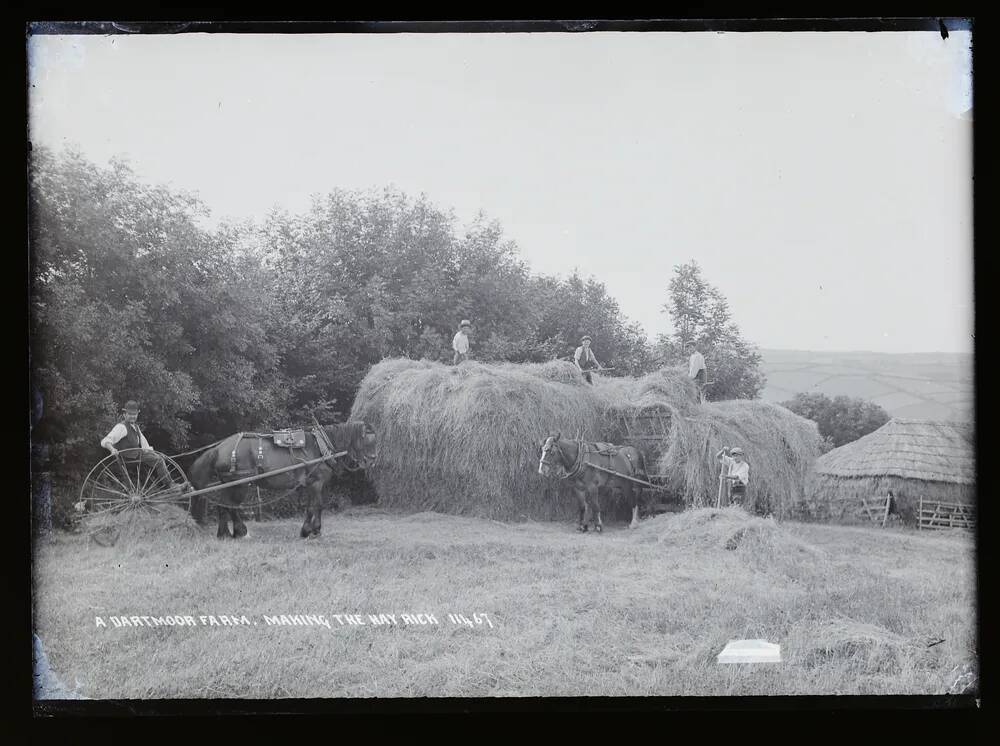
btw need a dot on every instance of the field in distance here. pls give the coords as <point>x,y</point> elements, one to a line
<point>935,386</point>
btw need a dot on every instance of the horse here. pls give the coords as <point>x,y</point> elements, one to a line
<point>568,459</point>
<point>245,454</point>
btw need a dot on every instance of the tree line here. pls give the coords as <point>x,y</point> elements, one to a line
<point>257,325</point>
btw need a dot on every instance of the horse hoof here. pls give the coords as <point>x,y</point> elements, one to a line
<point>582,529</point>
<point>304,533</point>
<point>598,529</point>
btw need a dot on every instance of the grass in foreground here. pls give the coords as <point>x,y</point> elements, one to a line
<point>640,612</point>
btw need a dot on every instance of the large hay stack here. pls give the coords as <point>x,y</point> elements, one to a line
<point>464,439</point>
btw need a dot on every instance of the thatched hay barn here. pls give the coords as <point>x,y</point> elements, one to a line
<point>464,439</point>
<point>913,458</point>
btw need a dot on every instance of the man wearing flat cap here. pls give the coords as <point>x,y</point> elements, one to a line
<point>585,359</point>
<point>126,436</point>
<point>460,343</point>
<point>737,472</point>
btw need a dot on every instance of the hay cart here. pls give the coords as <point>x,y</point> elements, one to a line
<point>649,430</point>
<point>118,485</point>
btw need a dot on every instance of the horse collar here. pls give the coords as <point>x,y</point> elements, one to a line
<point>577,465</point>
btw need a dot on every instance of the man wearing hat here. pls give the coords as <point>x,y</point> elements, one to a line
<point>460,344</point>
<point>696,368</point>
<point>737,472</point>
<point>126,435</point>
<point>585,360</point>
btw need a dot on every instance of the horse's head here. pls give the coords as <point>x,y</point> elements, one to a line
<point>358,439</point>
<point>365,447</point>
<point>551,461</point>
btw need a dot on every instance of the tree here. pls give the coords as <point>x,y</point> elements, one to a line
<point>842,419</point>
<point>131,299</point>
<point>700,314</point>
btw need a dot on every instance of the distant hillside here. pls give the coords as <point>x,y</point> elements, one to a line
<point>936,386</point>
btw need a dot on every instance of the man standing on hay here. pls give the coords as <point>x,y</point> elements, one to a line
<point>585,359</point>
<point>127,435</point>
<point>696,369</point>
<point>460,343</point>
<point>737,473</point>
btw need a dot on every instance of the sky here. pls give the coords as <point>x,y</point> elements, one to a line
<point>822,181</point>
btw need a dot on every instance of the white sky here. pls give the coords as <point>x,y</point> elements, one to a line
<point>821,180</point>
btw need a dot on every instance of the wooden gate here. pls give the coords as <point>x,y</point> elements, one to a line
<point>938,515</point>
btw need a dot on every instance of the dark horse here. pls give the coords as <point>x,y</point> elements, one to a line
<point>256,453</point>
<point>574,459</point>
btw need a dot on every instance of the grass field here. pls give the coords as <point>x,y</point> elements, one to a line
<point>641,612</point>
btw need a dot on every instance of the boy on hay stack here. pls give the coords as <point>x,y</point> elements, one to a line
<point>460,342</point>
<point>737,473</point>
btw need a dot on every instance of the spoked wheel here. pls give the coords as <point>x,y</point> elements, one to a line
<point>124,483</point>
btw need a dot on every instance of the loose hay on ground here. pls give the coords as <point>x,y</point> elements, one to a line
<point>137,525</point>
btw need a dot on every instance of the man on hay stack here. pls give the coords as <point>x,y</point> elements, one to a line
<point>696,369</point>
<point>585,359</point>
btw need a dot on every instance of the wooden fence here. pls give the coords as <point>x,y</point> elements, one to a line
<point>938,515</point>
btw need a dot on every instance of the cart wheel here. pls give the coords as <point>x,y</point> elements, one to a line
<point>119,484</point>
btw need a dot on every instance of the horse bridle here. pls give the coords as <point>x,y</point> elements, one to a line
<point>577,465</point>
<point>362,463</point>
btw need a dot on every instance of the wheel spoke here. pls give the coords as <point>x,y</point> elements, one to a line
<point>146,484</point>
<point>109,473</point>
<point>110,491</point>
<point>109,509</point>
<point>128,476</point>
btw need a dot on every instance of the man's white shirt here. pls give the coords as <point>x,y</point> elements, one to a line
<point>741,470</point>
<point>695,363</point>
<point>460,343</point>
<point>118,432</point>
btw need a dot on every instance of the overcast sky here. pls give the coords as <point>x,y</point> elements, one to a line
<point>821,180</point>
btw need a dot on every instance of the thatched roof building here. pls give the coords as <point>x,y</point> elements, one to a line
<point>912,458</point>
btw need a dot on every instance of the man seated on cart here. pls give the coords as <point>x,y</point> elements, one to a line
<point>127,435</point>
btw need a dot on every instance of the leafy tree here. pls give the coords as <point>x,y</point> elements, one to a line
<point>130,298</point>
<point>700,314</point>
<point>567,309</point>
<point>842,419</point>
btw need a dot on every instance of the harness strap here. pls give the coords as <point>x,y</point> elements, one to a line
<point>232,456</point>
<point>577,465</point>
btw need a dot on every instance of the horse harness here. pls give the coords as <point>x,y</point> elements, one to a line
<point>601,449</point>
<point>293,440</point>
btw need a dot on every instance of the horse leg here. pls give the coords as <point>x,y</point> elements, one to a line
<point>239,527</point>
<point>598,525</point>
<point>316,495</point>
<point>223,532</point>
<point>633,497</point>
<point>581,496</point>
<point>307,522</point>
